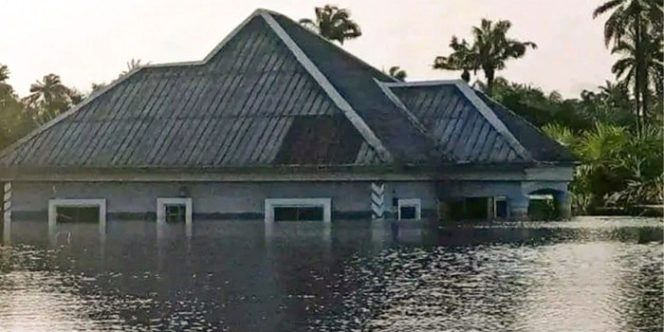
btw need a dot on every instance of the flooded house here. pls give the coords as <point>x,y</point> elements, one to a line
<point>278,124</point>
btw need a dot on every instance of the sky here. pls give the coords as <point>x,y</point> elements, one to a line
<point>86,41</point>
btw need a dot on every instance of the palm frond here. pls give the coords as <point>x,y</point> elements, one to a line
<point>605,7</point>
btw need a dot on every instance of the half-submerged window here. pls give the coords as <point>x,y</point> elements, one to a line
<point>409,209</point>
<point>302,213</point>
<point>477,208</point>
<point>65,214</point>
<point>174,210</point>
<point>298,209</point>
<point>176,213</point>
<point>77,210</point>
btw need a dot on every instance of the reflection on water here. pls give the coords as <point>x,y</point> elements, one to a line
<point>591,274</point>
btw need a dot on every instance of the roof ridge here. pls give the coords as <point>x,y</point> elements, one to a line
<point>345,107</point>
<point>395,99</point>
<point>423,83</point>
<point>337,47</point>
<point>493,119</point>
<point>526,122</point>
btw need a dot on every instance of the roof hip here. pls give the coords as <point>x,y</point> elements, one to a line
<point>325,84</point>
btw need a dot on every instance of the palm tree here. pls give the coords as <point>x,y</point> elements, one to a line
<point>4,73</point>
<point>333,23</point>
<point>461,59</point>
<point>397,73</point>
<point>5,88</point>
<point>132,65</point>
<point>493,48</point>
<point>94,87</point>
<point>48,98</point>
<point>633,22</point>
<point>628,65</point>
<point>490,50</point>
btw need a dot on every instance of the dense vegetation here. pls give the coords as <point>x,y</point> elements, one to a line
<point>615,131</point>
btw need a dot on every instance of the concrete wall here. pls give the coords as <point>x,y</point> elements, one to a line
<point>214,200</point>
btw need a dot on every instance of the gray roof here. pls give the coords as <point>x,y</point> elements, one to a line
<point>275,94</point>
<point>454,123</point>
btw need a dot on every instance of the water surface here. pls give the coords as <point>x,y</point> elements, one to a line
<point>591,274</point>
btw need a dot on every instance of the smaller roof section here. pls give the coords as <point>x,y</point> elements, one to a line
<point>469,127</point>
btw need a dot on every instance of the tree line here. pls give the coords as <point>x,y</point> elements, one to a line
<point>615,131</point>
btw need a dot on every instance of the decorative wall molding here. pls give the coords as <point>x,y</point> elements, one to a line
<point>7,209</point>
<point>377,200</point>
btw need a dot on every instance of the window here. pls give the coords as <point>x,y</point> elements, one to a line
<point>175,213</point>
<point>477,208</point>
<point>298,209</point>
<point>313,213</point>
<point>174,210</point>
<point>65,214</point>
<point>409,209</point>
<point>77,210</point>
<point>500,207</point>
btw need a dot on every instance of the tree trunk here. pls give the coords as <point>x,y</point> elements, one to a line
<point>638,79</point>
<point>637,111</point>
<point>645,93</point>
<point>465,75</point>
<point>489,73</point>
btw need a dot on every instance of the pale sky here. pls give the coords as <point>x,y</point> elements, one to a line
<point>86,41</point>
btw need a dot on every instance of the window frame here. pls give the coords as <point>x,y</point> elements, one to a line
<point>162,202</point>
<point>410,202</point>
<point>271,203</point>
<point>99,203</point>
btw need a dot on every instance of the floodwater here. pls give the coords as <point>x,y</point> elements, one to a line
<point>590,274</point>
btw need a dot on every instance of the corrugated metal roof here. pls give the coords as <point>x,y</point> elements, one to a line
<point>237,109</point>
<point>274,93</point>
<point>466,135</point>
<point>458,128</point>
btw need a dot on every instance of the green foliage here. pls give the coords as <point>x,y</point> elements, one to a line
<point>333,23</point>
<point>618,167</point>
<point>539,108</point>
<point>18,116</point>
<point>563,135</point>
<point>14,121</point>
<point>48,98</point>
<point>397,73</point>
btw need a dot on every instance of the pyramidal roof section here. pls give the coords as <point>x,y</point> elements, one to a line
<point>479,105</point>
<point>351,115</point>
